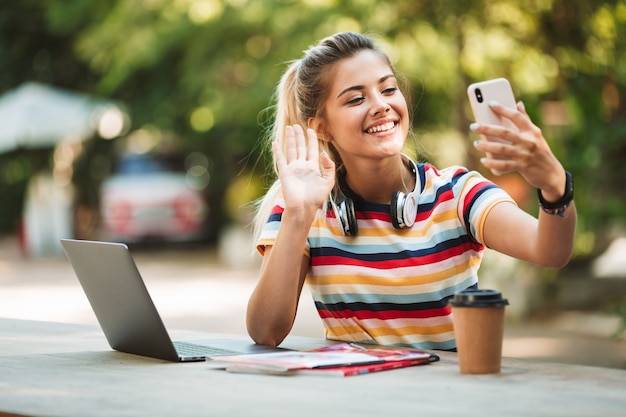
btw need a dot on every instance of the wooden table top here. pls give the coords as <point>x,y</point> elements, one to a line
<point>56,369</point>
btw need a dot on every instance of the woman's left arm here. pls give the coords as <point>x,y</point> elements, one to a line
<point>548,240</point>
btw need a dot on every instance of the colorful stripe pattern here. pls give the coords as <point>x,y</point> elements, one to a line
<point>390,286</point>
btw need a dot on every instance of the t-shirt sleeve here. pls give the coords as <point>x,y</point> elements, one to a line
<point>476,197</point>
<point>270,230</point>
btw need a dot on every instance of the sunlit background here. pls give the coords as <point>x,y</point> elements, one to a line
<point>144,120</point>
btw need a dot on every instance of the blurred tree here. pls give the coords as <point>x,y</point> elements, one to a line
<point>31,50</point>
<point>203,71</point>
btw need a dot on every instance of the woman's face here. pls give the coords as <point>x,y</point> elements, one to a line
<point>365,114</point>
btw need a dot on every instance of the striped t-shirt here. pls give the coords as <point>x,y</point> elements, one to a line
<point>390,286</point>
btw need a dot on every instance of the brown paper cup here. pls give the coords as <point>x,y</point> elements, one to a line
<point>479,330</point>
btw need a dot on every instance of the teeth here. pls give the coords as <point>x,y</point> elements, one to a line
<point>381,128</point>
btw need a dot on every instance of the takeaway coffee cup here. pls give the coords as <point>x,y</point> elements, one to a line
<point>478,318</point>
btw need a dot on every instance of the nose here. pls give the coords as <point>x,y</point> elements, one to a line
<point>379,106</point>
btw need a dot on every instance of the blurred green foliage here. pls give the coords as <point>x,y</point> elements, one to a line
<point>201,72</point>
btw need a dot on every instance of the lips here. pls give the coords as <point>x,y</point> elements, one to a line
<point>381,127</point>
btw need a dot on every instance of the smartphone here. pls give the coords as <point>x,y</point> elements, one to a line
<point>481,93</point>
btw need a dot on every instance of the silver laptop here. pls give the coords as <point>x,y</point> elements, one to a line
<point>126,312</point>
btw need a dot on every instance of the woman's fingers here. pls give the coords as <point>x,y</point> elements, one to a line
<point>498,149</point>
<point>313,145</point>
<point>524,148</point>
<point>499,166</point>
<point>301,144</point>
<point>518,115</point>
<point>291,151</point>
<point>297,147</point>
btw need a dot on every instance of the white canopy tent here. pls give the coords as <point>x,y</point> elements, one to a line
<point>37,116</point>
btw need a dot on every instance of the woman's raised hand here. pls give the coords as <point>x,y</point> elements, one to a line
<point>306,175</point>
<point>525,151</point>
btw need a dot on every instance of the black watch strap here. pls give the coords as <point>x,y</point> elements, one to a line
<point>558,207</point>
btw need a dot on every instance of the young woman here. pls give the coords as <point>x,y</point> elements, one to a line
<point>384,242</point>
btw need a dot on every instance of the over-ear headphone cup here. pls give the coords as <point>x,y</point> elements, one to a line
<point>397,208</point>
<point>409,210</point>
<point>351,218</point>
<point>346,216</point>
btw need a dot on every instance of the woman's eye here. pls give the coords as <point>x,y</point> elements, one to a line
<point>356,100</point>
<point>390,90</point>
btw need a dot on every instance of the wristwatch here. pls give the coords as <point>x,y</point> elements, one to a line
<point>558,207</point>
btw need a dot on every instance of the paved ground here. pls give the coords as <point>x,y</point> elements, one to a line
<point>194,289</point>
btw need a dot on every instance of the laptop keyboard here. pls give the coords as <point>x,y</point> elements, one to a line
<point>191,349</point>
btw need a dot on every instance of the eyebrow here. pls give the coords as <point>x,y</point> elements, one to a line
<point>361,87</point>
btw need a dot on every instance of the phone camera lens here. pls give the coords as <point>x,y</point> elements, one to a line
<point>479,95</point>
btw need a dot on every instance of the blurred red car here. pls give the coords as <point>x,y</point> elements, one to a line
<point>145,199</point>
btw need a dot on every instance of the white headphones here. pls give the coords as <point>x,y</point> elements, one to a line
<point>403,208</point>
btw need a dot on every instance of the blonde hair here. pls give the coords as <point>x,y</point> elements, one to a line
<point>300,95</point>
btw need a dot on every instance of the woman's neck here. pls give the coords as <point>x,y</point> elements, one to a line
<point>377,183</point>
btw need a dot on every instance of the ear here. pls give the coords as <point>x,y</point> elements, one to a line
<point>317,124</point>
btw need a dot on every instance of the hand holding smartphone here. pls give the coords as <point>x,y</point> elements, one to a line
<point>481,93</point>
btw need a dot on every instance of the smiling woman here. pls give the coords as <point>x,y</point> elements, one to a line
<point>382,241</point>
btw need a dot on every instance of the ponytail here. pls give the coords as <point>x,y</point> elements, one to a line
<point>286,113</point>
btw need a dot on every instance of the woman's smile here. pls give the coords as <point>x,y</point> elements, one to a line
<point>382,127</point>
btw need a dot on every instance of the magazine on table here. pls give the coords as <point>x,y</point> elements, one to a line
<point>343,359</point>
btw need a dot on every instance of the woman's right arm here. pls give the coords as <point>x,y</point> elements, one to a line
<point>306,179</point>
<point>273,304</point>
